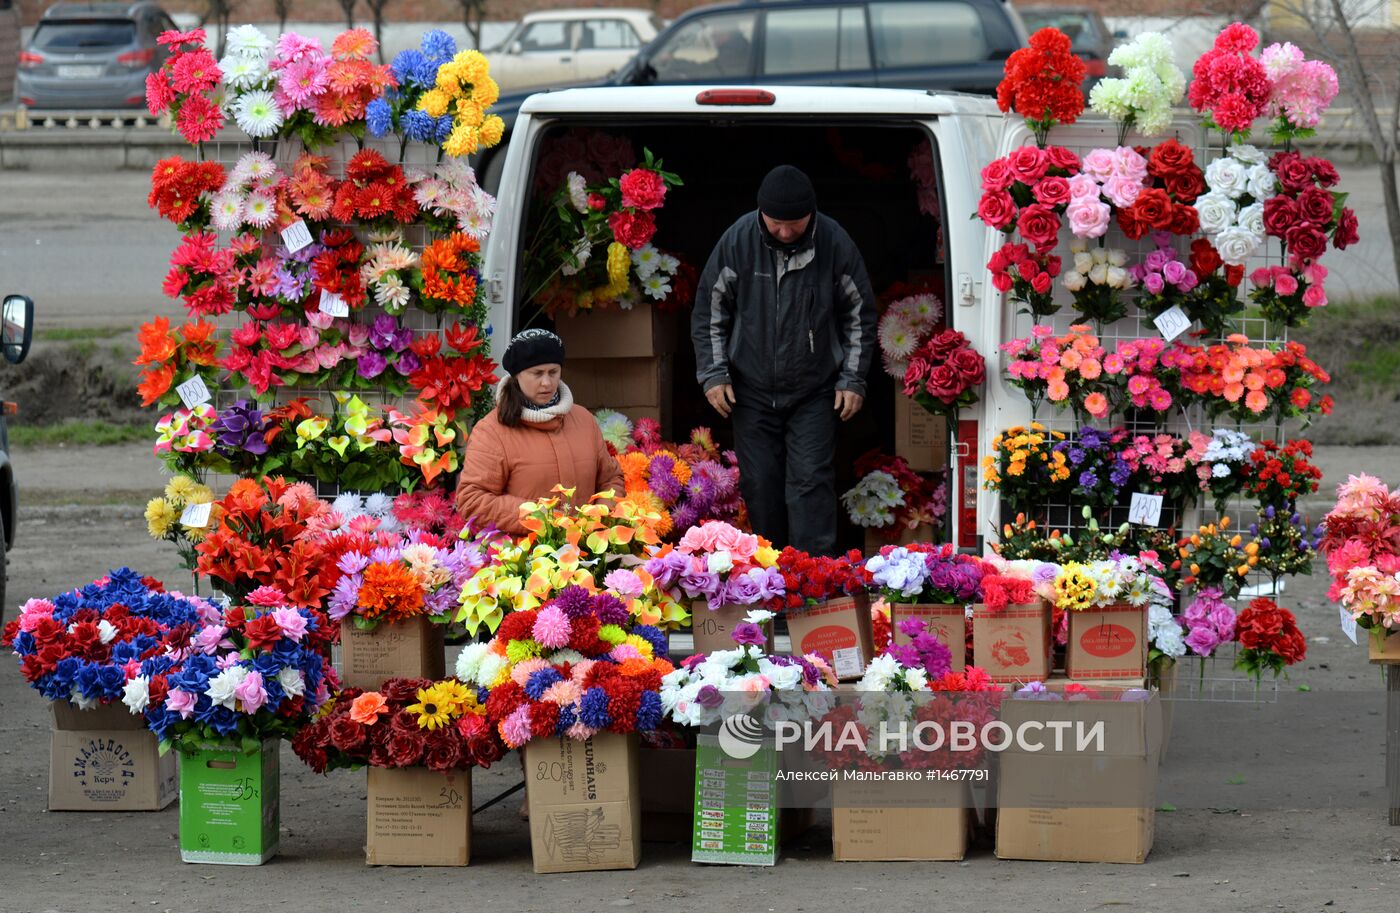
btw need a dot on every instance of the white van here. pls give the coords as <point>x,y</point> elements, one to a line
<point>857,145</point>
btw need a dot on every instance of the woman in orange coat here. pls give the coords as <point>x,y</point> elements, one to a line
<point>535,438</point>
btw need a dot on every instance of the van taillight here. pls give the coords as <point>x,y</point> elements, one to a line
<point>965,461</point>
<point>735,97</point>
<point>1094,66</point>
<point>134,59</point>
<point>29,59</point>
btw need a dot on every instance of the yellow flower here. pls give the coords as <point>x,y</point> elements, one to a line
<point>462,141</point>
<point>468,112</point>
<point>179,487</point>
<point>619,263</point>
<point>160,517</point>
<point>200,494</point>
<point>434,101</point>
<point>432,711</point>
<point>457,695</point>
<point>473,66</point>
<point>493,129</point>
<point>486,92</point>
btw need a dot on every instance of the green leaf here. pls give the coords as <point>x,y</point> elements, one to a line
<point>1166,807</point>
<point>1305,687</point>
<point>1236,780</point>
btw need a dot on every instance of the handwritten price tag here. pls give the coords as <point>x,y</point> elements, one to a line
<point>296,236</point>
<point>1348,624</point>
<point>333,305</point>
<point>1145,510</point>
<point>196,516</point>
<point>193,392</point>
<point>1172,322</point>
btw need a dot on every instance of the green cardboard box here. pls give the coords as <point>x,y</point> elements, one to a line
<point>230,809</point>
<point>736,806</point>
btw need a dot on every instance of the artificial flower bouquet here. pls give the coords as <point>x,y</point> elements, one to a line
<point>1012,620</point>
<point>687,484</point>
<point>170,358</point>
<point>1220,460</point>
<point>1028,192</point>
<point>1214,556</point>
<point>1269,640</point>
<point>1098,280</point>
<point>723,572</point>
<point>1278,475</point>
<point>1068,370</point>
<point>1287,543</point>
<point>893,501</point>
<point>1114,608</point>
<point>1361,540</point>
<point>78,645</point>
<point>905,327</point>
<point>392,579</point>
<point>247,674</point>
<point>929,588</point>
<point>945,374</point>
<point>405,723</point>
<point>1142,98</point>
<point>1025,468</point>
<point>402,109</point>
<point>1043,83</point>
<point>573,668</point>
<point>165,516</point>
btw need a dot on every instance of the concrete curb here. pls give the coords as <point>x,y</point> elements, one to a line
<point>88,149</point>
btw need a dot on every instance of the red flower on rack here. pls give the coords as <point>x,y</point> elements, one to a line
<point>452,381</point>
<point>337,269</point>
<point>1043,83</point>
<point>179,190</point>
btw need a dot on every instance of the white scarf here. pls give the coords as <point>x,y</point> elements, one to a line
<point>544,415</point>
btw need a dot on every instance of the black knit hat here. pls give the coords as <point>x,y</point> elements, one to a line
<point>530,348</point>
<point>786,194</point>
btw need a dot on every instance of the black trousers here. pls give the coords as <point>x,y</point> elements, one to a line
<point>785,469</point>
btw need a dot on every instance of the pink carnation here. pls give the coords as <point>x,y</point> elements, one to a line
<point>551,628</point>
<point>515,729</point>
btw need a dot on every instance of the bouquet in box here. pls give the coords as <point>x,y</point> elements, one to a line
<point>405,723</point>
<point>1361,540</point>
<point>402,578</point>
<point>708,689</point>
<point>925,574</point>
<point>812,579</point>
<point>573,668</point>
<point>251,673</point>
<point>891,498</point>
<point>78,645</point>
<point>720,564</point>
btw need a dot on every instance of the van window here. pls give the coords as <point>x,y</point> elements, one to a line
<point>709,47</point>
<point>545,36</point>
<point>815,41</point>
<point>84,34</point>
<point>931,33</point>
<point>607,35</point>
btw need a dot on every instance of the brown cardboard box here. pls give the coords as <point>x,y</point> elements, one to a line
<point>1107,643</point>
<point>618,383</point>
<point>408,649</point>
<point>711,627</point>
<point>1013,645</point>
<point>1389,650</point>
<point>874,541</point>
<point>640,332</point>
<point>919,436</point>
<point>106,760</point>
<point>867,824</point>
<point>1081,806</point>
<point>946,622</point>
<point>667,781</point>
<point>418,816</point>
<point>839,630</point>
<point>585,805</point>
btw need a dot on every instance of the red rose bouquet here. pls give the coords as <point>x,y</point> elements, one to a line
<point>945,374</point>
<point>811,579</point>
<point>1043,83</point>
<point>1029,277</point>
<point>1269,639</point>
<point>1278,475</point>
<point>1028,191</point>
<point>404,723</point>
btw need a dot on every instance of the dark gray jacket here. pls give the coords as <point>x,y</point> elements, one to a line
<point>785,327</point>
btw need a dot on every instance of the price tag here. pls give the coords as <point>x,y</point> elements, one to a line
<point>333,305</point>
<point>1145,510</point>
<point>1348,624</point>
<point>296,236</point>
<point>1172,322</point>
<point>196,516</point>
<point>846,661</point>
<point>193,392</point>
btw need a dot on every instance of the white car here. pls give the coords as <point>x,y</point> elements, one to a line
<point>559,47</point>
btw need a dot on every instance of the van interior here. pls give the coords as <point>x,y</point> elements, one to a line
<point>876,179</point>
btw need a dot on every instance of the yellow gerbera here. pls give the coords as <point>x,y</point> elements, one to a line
<point>179,488</point>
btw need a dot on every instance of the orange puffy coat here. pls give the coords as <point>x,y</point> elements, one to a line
<point>505,467</point>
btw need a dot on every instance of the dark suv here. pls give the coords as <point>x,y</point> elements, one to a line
<point>92,55</point>
<point>958,45</point>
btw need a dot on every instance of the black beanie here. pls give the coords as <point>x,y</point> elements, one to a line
<point>786,194</point>
<point>530,348</point>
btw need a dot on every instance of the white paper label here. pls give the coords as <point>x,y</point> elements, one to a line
<point>1348,624</point>
<point>1172,322</point>
<point>334,305</point>
<point>196,516</point>
<point>846,661</point>
<point>296,236</point>
<point>193,392</point>
<point>1145,510</point>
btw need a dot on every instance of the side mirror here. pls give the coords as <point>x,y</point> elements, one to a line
<point>516,48</point>
<point>16,327</point>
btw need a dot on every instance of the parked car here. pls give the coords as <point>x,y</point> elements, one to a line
<point>1089,35</point>
<point>9,48</point>
<point>957,45</point>
<point>560,47</point>
<point>16,333</point>
<point>92,55</point>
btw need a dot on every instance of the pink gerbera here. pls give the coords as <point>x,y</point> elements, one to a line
<point>199,119</point>
<point>303,80</point>
<point>355,44</point>
<point>196,71</point>
<point>159,95</point>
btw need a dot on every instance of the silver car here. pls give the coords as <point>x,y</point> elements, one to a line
<point>92,56</point>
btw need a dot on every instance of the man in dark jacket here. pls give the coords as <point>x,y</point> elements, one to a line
<point>784,331</point>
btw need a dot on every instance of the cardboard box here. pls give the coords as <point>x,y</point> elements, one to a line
<point>931,825</point>
<point>1081,806</point>
<point>1014,644</point>
<point>736,805</point>
<point>1107,643</point>
<point>418,816</point>
<point>409,649</point>
<point>585,805</point>
<point>230,808</point>
<point>667,781</point>
<point>946,622</point>
<point>106,760</point>
<point>874,541</point>
<point>838,630</point>
<point>619,383</point>
<point>711,627</point>
<point>1389,649</point>
<point>640,332</point>
<point>920,437</point>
